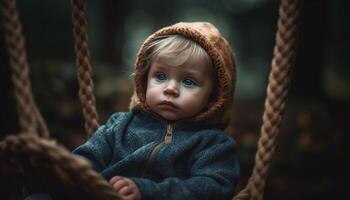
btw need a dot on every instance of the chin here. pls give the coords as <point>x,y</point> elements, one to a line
<point>170,117</point>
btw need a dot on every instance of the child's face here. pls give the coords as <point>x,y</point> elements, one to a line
<point>178,92</point>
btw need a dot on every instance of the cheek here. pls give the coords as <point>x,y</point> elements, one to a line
<point>152,93</point>
<point>195,100</point>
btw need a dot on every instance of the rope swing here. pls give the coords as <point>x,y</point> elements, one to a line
<point>30,119</point>
<point>86,85</point>
<point>32,148</point>
<point>276,96</point>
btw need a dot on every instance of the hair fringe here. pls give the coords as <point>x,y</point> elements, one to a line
<point>173,47</point>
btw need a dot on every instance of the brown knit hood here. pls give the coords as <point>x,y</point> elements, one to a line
<point>206,35</point>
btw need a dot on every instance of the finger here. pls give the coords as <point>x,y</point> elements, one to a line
<point>125,191</point>
<point>134,195</point>
<point>120,184</point>
<point>115,179</point>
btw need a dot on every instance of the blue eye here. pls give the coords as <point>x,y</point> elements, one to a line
<point>188,82</point>
<point>161,77</point>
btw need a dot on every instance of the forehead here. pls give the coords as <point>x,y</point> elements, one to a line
<point>193,64</point>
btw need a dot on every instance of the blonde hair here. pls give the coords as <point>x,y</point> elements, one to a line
<point>177,49</point>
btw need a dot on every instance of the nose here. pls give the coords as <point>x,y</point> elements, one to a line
<point>171,89</point>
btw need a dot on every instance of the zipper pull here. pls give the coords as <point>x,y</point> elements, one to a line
<point>169,134</point>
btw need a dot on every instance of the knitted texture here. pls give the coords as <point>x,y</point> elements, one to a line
<point>207,36</point>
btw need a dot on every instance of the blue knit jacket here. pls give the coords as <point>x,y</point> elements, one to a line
<point>173,161</point>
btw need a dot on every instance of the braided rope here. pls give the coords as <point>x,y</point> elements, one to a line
<point>27,149</point>
<point>68,169</point>
<point>86,95</point>
<point>275,102</point>
<point>30,119</point>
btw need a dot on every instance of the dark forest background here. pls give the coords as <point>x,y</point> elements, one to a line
<point>310,160</point>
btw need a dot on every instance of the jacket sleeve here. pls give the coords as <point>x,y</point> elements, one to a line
<point>214,174</point>
<point>99,148</point>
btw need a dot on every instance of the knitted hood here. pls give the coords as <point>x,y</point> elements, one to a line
<point>206,35</point>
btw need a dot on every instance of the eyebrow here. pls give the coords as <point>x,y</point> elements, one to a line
<point>188,70</point>
<point>160,66</point>
<point>191,73</point>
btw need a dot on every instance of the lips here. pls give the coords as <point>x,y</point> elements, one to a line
<point>168,104</point>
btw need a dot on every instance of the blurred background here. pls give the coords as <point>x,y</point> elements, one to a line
<point>311,154</point>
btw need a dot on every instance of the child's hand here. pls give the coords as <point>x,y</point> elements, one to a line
<point>126,188</point>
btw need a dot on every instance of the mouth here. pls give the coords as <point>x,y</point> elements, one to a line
<point>168,104</point>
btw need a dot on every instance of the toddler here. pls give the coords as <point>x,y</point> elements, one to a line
<point>171,145</point>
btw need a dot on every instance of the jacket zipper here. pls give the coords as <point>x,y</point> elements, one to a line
<point>168,138</point>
